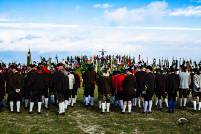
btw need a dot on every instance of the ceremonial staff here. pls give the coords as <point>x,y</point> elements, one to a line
<point>57,61</point>
<point>29,57</point>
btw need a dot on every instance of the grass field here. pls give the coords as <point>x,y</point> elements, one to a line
<point>80,120</point>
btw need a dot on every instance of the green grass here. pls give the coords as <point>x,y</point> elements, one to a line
<point>81,120</point>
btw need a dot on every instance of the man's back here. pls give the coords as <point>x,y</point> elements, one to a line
<point>184,78</point>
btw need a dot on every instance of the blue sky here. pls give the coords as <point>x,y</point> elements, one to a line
<point>163,28</point>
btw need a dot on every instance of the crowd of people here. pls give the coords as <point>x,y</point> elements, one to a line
<point>126,85</point>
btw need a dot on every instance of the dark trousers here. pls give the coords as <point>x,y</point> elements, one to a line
<point>72,93</point>
<point>161,94</point>
<point>15,97</point>
<point>1,104</point>
<point>89,91</point>
<point>148,96</point>
<point>197,94</point>
<point>183,93</point>
<point>36,98</point>
<point>172,102</point>
<point>46,93</point>
<point>66,94</point>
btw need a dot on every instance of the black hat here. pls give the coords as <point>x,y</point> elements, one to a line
<point>171,69</point>
<point>183,67</point>
<point>70,70</point>
<point>150,68</point>
<point>32,65</point>
<point>24,67</point>
<point>60,64</point>
<point>115,72</point>
<point>13,66</point>
<point>196,70</point>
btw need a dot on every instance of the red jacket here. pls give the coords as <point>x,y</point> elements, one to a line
<point>117,82</point>
<point>45,69</point>
<point>133,72</point>
<point>114,82</point>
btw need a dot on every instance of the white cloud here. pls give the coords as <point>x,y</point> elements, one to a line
<point>6,18</point>
<point>188,11</point>
<point>157,28</point>
<point>148,41</point>
<point>35,25</point>
<point>154,10</point>
<point>3,19</point>
<point>161,5</point>
<point>121,39</point>
<point>103,5</point>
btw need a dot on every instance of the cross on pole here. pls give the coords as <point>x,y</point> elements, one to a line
<point>102,52</point>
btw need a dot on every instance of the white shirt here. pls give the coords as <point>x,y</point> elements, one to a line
<point>71,79</point>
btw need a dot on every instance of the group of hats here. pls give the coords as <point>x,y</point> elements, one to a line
<point>196,70</point>
<point>14,66</point>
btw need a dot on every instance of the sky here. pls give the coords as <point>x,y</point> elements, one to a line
<point>164,28</point>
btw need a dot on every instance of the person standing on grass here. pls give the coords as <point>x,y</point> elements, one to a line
<point>119,89</point>
<point>46,79</point>
<point>140,79</point>
<point>15,84</point>
<point>160,81</point>
<point>71,79</point>
<point>2,87</point>
<point>60,85</point>
<point>172,86</point>
<point>197,89</point>
<point>26,86</point>
<point>185,81</point>
<point>66,90</point>
<point>130,88</point>
<point>104,83</point>
<point>36,87</point>
<point>114,88</point>
<point>76,86</point>
<point>89,80</point>
<point>51,91</point>
<point>148,89</point>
